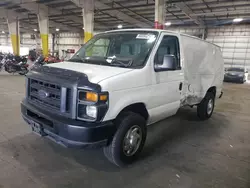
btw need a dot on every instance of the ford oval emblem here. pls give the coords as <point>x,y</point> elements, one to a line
<point>43,94</point>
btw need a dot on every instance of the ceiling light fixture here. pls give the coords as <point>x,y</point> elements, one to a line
<point>57,29</point>
<point>119,26</point>
<point>35,30</point>
<point>237,19</point>
<point>167,23</point>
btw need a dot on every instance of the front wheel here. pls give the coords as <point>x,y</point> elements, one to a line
<point>206,107</point>
<point>9,69</point>
<point>23,72</point>
<point>128,141</point>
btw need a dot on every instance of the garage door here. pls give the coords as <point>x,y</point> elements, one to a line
<point>235,44</point>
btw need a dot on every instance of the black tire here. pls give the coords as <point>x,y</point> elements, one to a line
<point>115,150</point>
<point>7,69</point>
<point>23,73</point>
<point>243,80</point>
<point>202,109</point>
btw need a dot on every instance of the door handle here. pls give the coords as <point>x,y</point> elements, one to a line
<point>180,86</point>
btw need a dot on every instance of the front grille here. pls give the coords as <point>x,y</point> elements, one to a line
<point>49,94</point>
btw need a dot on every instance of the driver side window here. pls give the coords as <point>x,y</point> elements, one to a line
<point>169,46</point>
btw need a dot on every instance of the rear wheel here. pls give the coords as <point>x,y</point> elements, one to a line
<point>128,141</point>
<point>206,107</point>
<point>24,72</point>
<point>8,68</point>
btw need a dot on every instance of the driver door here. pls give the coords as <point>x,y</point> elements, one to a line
<point>167,84</point>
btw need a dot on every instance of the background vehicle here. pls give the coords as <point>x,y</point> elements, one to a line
<point>236,74</point>
<point>3,61</point>
<point>16,64</point>
<point>118,83</point>
<point>52,59</point>
<point>40,61</point>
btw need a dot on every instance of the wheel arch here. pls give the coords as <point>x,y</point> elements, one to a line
<point>212,90</point>
<point>138,108</point>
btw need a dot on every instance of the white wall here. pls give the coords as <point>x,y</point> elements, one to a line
<point>234,42</point>
<point>63,41</point>
<point>194,31</point>
<point>66,41</point>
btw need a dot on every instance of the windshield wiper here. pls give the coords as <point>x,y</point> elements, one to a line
<point>78,59</point>
<point>81,58</point>
<point>116,61</point>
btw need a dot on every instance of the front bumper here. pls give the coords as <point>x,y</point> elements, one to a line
<point>68,132</point>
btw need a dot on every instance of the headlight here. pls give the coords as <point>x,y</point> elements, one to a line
<point>85,112</point>
<point>91,106</point>
<point>90,96</point>
<point>91,111</point>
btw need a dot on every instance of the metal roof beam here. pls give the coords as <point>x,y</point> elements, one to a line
<point>134,13</point>
<point>115,13</point>
<point>43,9</point>
<point>189,13</point>
<point>10,13</point>
<point>224,13</point>
<point>34,7</point>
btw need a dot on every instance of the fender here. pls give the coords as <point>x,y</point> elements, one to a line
<point>124,98</point>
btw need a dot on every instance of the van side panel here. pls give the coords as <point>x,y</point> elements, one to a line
<point>126,89</point>
<point>204,68</point>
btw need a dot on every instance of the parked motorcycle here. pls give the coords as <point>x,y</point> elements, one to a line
<point>40,61</point>
<point>4,58</point>
<point>1,56</point>
<point>2,62</point>
<point>16,64</point>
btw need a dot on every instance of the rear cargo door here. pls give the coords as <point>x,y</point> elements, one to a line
<point>167,84</point>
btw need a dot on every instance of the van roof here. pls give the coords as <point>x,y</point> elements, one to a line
<point>160,31</point>
<point>140,29</point>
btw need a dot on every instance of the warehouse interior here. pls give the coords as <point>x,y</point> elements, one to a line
<point>180,151</point>
<point>213,20</point>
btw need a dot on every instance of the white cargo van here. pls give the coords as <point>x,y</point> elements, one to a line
<point>117,84</point>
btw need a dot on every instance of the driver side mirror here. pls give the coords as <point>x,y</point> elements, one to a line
<point>169,63</point>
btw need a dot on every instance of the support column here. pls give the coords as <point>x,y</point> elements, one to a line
<point>43,21</point>
<point>88,19</point>
<point>204,34</point>
<point>13,25</point>
<point>160,12</point>
<point>53,43</point>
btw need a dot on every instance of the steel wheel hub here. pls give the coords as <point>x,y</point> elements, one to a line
<point>132,140</point>
<point>210,106</point>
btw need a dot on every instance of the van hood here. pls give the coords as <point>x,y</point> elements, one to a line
<point>95,73</point>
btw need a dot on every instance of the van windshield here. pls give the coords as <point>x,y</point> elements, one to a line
<point>120,49</point>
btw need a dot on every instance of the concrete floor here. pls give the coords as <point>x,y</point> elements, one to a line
<point>181,152</point>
